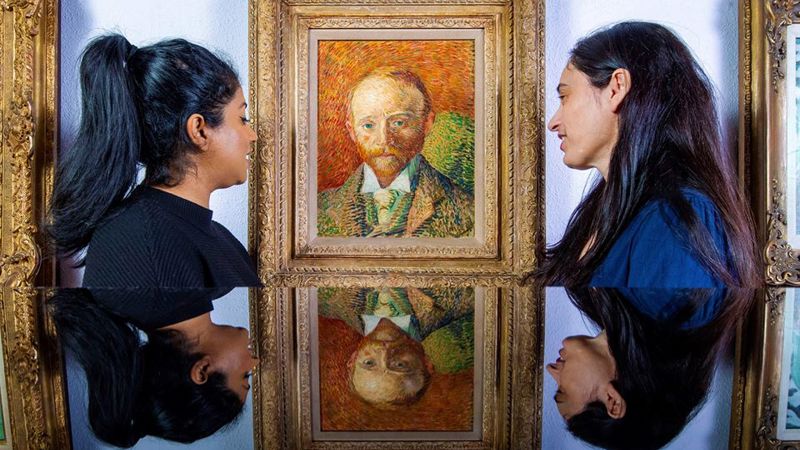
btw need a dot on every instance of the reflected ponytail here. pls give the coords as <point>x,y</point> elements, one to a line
<point>135,388</point>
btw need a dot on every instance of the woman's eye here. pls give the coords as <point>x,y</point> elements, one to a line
<point>248,375</point>
<point>246,120</point>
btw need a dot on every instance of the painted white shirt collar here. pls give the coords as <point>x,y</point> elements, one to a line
<point>401,183</point>
<point>371,322</point>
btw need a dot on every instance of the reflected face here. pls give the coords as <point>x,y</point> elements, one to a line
<point>389,368</point>
<point>388,123</point>
<point>227,158</point>
<point>234,356</point>
<point>583,370</point>
<point>586,125</point>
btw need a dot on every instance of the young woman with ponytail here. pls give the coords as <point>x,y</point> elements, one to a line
<point>185,382</point>
<point>667,212</point>
<point>177,111</point>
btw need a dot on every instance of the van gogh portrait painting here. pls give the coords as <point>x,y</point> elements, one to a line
<point>397,359</point>
<point>395,138</point>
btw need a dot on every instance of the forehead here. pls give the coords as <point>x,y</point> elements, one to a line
<point>572,78</point>
<point>384,94</point>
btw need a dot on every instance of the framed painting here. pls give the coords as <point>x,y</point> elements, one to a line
<point>376,365</point>
<point>399,156</point>
<point>764,402</point>
<point>772,124</point>
<point>398,134</point>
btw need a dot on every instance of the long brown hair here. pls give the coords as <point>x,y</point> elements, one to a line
<point>668,141</point>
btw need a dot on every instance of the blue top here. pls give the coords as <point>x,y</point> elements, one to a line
<point>653,251</point>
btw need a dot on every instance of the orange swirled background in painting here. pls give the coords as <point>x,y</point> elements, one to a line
<point>445,406</point>
<point>446,68</point>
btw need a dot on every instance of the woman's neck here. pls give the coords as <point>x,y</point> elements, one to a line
<point>190,189</point>
<point>197,329</point>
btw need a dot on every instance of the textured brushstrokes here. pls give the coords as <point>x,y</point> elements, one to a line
<point>350,90</point>
<point>438,322</point>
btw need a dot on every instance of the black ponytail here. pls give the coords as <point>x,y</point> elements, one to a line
<point>100,168</point>
<point>135,104</point>
<point>135,388</point>
<point>108,349</point>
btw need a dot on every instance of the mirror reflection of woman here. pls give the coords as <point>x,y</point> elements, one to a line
<point>177,111</point>
<point>666,212</point>
<point>639,381</point>
<point>184,382</point>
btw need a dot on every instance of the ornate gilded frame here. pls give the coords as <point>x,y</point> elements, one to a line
<point>762,159</point>
<point>279,388</point>
<point>277,180</point>
<point>28,80</point>
<point>768,90</point>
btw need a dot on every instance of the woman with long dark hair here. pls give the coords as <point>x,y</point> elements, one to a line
<point>643,377</point>
<point>637,106</point>
<point>177,111</point>
<point>188,380</point>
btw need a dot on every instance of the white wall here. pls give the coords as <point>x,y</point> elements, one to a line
<point>710,29</point>
<point>220,26</point>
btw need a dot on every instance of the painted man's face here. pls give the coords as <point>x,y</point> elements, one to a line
<point>388,123</point>
<point>389,368</point>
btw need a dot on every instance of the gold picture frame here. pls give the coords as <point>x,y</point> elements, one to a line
<point>35,380</point>
<point>764,159</point>
<point>288,264</point>
<point>511,384</point>
<point>512,33</point>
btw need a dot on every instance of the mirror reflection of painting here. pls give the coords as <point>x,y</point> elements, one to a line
<point>638,382</point>
<point>396,359</point>
<point>397,145</point>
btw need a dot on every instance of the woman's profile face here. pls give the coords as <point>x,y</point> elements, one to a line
<point>583,372</point>
<point>227,159</point>
<point>233,355</point>
<point>585,122</point>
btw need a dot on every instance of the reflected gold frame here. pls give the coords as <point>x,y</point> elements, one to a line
<point>34,375</point>
<point>280,385</point>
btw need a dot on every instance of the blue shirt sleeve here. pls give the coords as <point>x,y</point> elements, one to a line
<point>654,250</point>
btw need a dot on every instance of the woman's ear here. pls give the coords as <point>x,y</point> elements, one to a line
<point>200,370</point>
<point>196,128</point>
<point>615,404</point>
<point>619,86</point>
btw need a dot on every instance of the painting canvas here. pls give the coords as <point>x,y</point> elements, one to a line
<point>793,137</point>
<point>397,360</point>
<point>394,134</point>
<point>789,412</point>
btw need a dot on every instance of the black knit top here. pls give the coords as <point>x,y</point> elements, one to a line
<point>159,240</point>
<point>154,308</point>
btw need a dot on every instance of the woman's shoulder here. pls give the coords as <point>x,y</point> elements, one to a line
<point>655,249</point>
<point>663,211</point>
